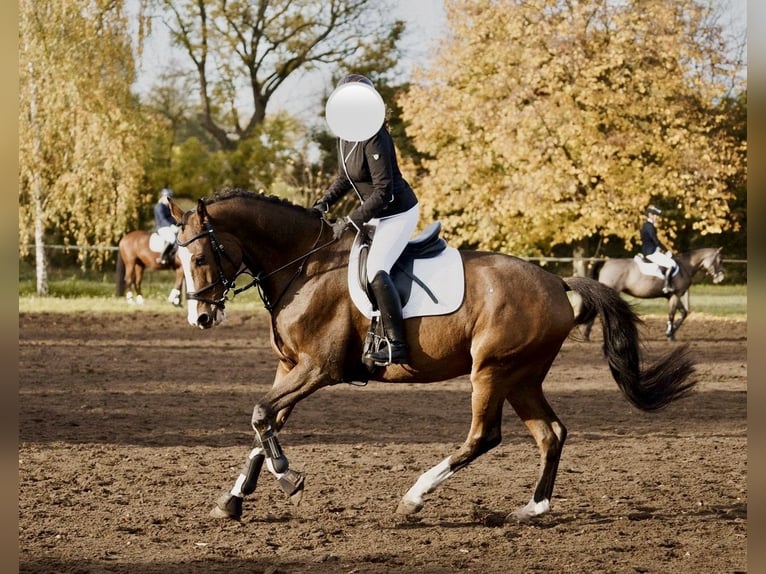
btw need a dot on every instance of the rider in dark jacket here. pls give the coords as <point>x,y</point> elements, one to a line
<point>387,201</point>
<point>652,247</point>
<point>165,225</point>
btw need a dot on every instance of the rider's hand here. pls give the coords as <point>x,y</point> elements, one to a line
<point>338,228</point>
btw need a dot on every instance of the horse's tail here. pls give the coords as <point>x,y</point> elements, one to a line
<point>119,275</point>
<point>649,389</point>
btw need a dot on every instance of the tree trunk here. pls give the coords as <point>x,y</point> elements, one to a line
<point>41,265</point>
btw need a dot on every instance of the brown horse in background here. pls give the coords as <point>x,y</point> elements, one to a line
<point>133,257</point>
<point>514,318</point>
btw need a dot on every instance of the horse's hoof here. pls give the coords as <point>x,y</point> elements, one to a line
<point>297,497</point>
<point>530,511</point>
<point>408,507</point>
<point>227,506</point>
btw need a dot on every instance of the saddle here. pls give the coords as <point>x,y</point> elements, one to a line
<point>426,245</point>
<point>428,275</point>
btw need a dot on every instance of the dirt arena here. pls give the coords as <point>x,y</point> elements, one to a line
<point>131,425</point>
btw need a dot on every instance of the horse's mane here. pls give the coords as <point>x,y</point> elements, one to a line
<point>235,192</point>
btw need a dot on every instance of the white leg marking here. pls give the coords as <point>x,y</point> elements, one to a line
<point>532,509</point>
<point>191,305</point>
<point>427,482</point>
<point>237,488</point>
<point>175,296</point>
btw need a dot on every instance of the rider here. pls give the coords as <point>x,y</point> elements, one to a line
<point>165,225</point>
<point>652,247</point>
<point>387,202</point>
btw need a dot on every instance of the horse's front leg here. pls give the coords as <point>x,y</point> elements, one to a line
<point>269,414</point>
<point>680,304</point>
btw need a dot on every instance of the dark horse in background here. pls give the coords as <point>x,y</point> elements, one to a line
<point>506,334</point>
<point>134,256</point>
<point>624,276</point>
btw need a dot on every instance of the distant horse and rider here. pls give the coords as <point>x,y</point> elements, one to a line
<point>134,256</point>
<point>495,317</point>
<point>644,280</point>
<point>140,250</point>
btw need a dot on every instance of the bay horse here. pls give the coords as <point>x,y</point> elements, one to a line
<point>624,276</point>
<point>134,256</point>
<point>510,327</point>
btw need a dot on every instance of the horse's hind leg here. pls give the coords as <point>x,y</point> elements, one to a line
<point>486,407</point>
<point>549,434</point>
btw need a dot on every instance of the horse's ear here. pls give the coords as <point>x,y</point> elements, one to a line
<point>201,211</point>
<point>175,211</point>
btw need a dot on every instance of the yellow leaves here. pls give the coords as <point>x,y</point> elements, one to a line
<point>81,139</point>
<point>563,123</point>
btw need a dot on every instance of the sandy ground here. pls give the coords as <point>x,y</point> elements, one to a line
<point>124,444</point>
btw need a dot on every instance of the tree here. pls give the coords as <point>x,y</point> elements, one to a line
<point>242,51</point>
<point>80,136</point>
<point>548,122</point>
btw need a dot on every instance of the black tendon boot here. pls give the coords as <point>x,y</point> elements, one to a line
<point>393,325</point>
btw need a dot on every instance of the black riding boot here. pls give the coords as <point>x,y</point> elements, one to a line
<point>390,306</point>
<point>164,259</point>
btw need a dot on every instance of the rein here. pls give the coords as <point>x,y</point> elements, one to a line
<point>257,279</point>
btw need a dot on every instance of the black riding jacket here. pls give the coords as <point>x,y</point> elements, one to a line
<point>649,241</point>
<point>372,166</point>
<point>162,215</point>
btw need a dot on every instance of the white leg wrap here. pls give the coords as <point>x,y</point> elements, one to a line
<point>532,509</point>
<point>236,490</point>
<point>270,466</point>
<point>428,481</point>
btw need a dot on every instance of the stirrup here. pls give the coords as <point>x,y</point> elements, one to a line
<point>393,352</point>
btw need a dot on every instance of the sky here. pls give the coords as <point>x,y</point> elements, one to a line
<point>302,95</point>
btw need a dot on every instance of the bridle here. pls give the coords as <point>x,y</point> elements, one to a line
<point>257,278</point>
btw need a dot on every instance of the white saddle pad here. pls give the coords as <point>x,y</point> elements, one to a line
<point>156,242</point>
<point>443,275</point>
<point>648,268</point>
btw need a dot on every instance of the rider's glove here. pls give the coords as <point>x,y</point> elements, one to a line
<point>338,228</point>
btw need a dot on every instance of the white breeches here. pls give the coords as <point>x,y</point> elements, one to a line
<point>168,234</point>
<point>390,239</point>
<point>661,259</point>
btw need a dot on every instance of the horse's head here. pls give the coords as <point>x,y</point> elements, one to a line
<point>211,260</point>
<point>713,266</point>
